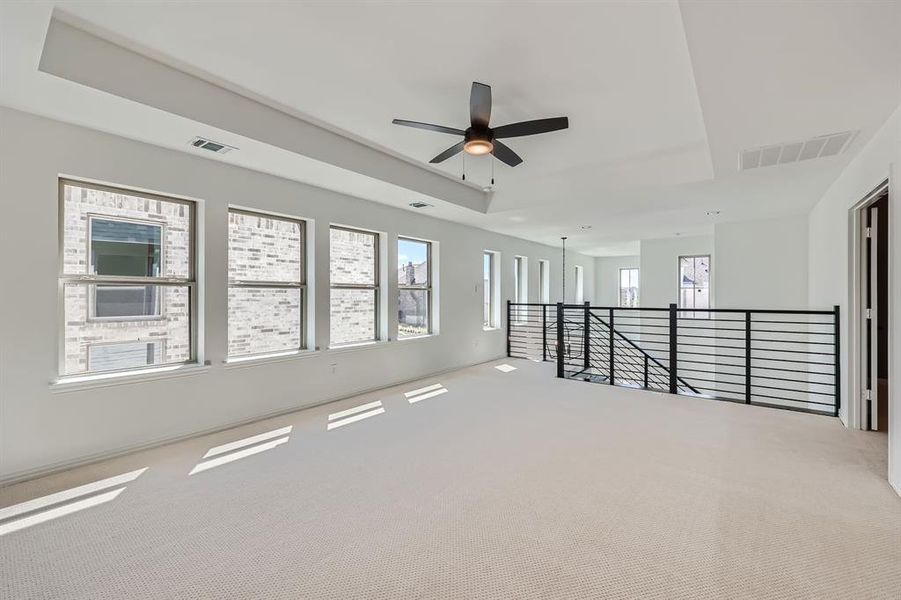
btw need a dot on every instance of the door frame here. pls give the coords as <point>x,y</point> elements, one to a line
<point>856,412</point>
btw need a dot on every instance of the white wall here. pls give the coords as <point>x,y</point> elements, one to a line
<point>41,427</point>
<point>606,278</point>
<point>829,246</point>
<point>762,264</point>
<point>660,268</point>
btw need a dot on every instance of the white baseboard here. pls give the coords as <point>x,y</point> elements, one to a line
<point>43,471</point>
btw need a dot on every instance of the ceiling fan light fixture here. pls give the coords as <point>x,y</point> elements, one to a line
<point>478,147</point>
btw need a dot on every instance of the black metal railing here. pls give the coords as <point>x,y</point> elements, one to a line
<point>780,358</point>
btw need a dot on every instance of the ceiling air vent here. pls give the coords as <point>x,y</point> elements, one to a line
<point>789,152</point>
<point>217,147</point>
<point>418,204</point>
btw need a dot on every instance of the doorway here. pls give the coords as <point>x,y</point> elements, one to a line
<point>873,310</point>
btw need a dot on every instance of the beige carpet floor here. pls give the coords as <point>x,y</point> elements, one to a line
<point>508,485</point>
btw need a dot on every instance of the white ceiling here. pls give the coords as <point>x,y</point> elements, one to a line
<point>661,97</point>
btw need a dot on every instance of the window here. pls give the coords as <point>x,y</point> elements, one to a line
<point>694,282</point>
<point>580,285</point>
<point>520,279</point>
<point>544,281</point>
<point>354,280</point>
<point>628,287</point>
<point>414,283</point>
<point>127,279</point>
<point>489,277</point>
<point>266,284</point>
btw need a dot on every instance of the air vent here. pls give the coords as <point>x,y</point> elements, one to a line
<point>418,204</point>
<point>217,147</point>
<point>789,152</point>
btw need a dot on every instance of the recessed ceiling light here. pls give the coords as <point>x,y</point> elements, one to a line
<point>713,213</point>
<point>419,204</point>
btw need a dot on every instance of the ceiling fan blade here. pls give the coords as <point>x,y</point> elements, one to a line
<point>428,126</point>
<point>531,127</point>
<point>455,149</point>
<point>504,154</point>
<point>480,104</point>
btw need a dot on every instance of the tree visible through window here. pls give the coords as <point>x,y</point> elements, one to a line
<point>353,271</point>
<point>414,282</point>
<point>628,287</point>
<point>694,282</point>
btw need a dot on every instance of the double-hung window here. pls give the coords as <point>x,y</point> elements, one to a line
<point>127,279</point>
<point>266,284</point>
<point>628,287</point>
<point>354,281</point>
<point>414,287</point>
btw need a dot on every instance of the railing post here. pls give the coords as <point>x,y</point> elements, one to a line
<point>646,371</point>
<point>747,357</point>
<point>838,359</point>
<point>586,338</point>
<point>559,339</point>
<point>673,350</point>
<point>610,350</point>
<point>509,326</point>
<point>543,332</point>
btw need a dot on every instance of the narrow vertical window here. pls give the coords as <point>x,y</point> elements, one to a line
<point>520,279</point>
<point>580,285</point>
<point>266,284</point>
<point>127,275</point>
<point>489,278</point>
<point>354,281</point>
<point>544,281</point>
<point>414,288</point>
<point>628,288</point>
<point>694,282</point>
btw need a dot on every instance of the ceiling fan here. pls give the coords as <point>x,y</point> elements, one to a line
<point>479,138</point>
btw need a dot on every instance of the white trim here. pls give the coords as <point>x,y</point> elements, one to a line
<point>72,383</point>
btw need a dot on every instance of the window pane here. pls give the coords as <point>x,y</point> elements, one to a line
<point>412,263</point>
<point>413,313</point>
<point>352,316</point>
<point>686,272</point>
<point>263,320</point>
<point>352,257</point>
<point>129,235</point>
<point>84,334</point>
<point>127,301</point>
<point>687,298</point>
<point>124,355</point>
<point>488,289</point>
<point>125,248</point>
<point>264,248</point>
<point>702,271</point>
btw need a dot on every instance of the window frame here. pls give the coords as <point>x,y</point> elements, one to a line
<point>579,284</point>
<point>637,287</point>
<point>89,279</point>
<point>493,258</point>
<point>544,281</point>
<point>376,285</point>
<point>679,287</point>
<point>92,296</point>
<point>255,284</point>
<point>427,288</point>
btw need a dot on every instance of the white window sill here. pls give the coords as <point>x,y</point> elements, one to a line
<point>73,383</point>
<point>417,338</point>
<point>491,328</point>
<point>358,346</point>
<point>261,359</point>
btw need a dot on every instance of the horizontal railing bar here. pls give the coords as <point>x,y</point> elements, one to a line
<point>793,322</point>
<point>754,339</point>
<point>792,400</point>
<point>794,332</point>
